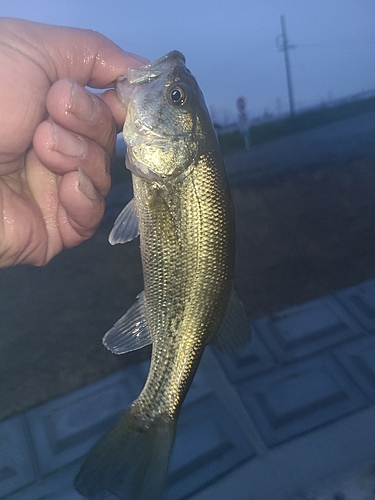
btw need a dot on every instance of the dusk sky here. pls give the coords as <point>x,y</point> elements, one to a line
<point>230,45</point>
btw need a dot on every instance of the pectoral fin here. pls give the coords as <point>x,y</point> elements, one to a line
<point>126,225</point>
<point>130,332</point>
<point>235,329</point>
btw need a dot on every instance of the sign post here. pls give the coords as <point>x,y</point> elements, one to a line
<point>243,124</point>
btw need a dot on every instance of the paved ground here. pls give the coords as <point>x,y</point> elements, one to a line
<point>289,417</point>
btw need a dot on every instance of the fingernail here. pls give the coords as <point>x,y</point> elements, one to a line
<point>67,143</point>
<point>86,186</point>
<point>83,105</point>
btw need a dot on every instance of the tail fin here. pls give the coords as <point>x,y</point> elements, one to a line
<point>130,461</point>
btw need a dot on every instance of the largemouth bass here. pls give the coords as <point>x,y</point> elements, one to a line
<point>183,212</point>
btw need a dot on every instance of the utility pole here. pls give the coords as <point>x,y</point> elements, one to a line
<point>283,44</point>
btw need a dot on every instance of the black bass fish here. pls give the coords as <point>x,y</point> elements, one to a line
<point>183,212</point>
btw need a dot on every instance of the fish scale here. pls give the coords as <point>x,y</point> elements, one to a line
<point>191,268</point>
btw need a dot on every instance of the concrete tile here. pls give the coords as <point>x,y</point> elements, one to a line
<point>358,358</point>
<point>58,486</point>
<point>360,302</point>
<point>289,405</point>
<point>306,329</point>
<point>300,398</point>
<point>302,464</point>
<point>230,398</point>
<point>16,461</point>
<point>208,445</point>
<point>357,484</point>
<point>252,359</point>
<point>66,428</point>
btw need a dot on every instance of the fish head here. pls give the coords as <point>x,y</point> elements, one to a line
<point>166,122</point>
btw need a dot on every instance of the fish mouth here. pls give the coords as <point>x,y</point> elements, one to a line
<point>127,84</point>
<point>151,71</point>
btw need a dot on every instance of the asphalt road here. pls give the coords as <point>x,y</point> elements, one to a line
<point>333,144</point>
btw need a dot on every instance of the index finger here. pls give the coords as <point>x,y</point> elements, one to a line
<point>83,55</point>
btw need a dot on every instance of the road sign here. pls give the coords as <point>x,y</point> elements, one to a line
<point>241,104</point>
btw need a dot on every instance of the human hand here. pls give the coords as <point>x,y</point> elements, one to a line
<point>56,137</point>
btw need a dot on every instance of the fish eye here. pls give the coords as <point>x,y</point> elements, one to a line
<point>178,96</point>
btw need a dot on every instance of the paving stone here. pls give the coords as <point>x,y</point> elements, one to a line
<point>358,358</point>
<point>252,359</point>
<point>296,399</point>
<point>281,403</point>
<point>66,428</point>
<point>16,462</point>
<point>58,486</point>
<point>208,443</point>
<point>306,329</point>
<point>228,395</point>
<point>303,464</point>
<point>360,302</point>
<point>208,446</point>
